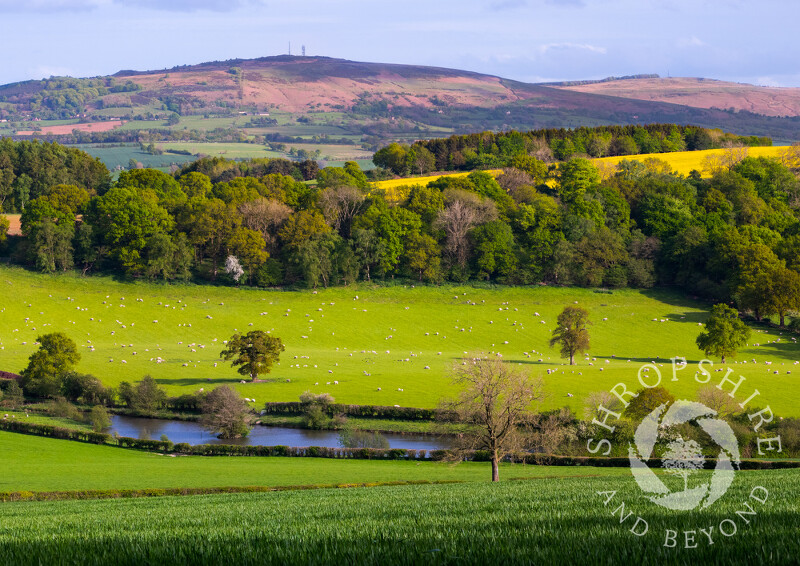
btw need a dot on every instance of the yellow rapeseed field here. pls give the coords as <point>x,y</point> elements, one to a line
<point>396,190</point>
<point>684,161</point>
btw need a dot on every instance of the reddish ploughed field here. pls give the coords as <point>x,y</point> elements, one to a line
<point>67,128</point>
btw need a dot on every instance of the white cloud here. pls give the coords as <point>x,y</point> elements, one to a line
<point>571,47</point>
<point>690,42</point>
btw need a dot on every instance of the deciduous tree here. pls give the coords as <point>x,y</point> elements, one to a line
<point>724,333</point>
<point>571,332</point>
<point>225,413</point>
<point>495,400</point>
<point>57,354</point>
<point>254,352</point>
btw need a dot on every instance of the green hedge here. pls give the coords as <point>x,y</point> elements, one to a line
<point>13,425</point>
<point>165,446</point>
<point>364,411</point>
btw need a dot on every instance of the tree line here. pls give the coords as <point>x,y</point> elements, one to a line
<point>731,236</point>
<point>493,150</point>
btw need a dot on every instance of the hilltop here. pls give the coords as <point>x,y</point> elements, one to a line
<point>284,98</point>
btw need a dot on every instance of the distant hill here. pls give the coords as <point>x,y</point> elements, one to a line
<point>322,96</point>
<point>699,93</point>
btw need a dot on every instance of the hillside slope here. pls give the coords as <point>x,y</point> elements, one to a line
<point>700,93</point>
<point>384,101</point>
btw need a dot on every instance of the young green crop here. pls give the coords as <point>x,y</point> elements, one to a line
<point>546,521</point>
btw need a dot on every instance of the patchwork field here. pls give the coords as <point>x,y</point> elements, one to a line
<point>684,161</point>
<point>68,128</point>
<point>390,345</point>
<point>542,521</point>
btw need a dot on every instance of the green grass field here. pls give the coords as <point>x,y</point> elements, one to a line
<point>368,338</point>
<point>34,463</point>
<point>120,156</point>
<point>543,521</point>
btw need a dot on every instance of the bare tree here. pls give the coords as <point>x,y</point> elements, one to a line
<point>551,432</point>
<point>340,205</point>
<point>456,220</point>
<point>265,216</point>
<point>601,398</point>
<point>718,400</point>
<point>514,178</point>
<point>463,210</point>
<point>226,413</point>
<point>494,401</point>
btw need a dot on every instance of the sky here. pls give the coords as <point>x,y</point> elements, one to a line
<point>750,41</point>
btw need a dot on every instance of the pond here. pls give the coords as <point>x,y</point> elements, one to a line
<point>193,433</point>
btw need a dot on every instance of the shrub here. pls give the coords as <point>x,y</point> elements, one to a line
<point>146,395</point>
<point>646,401</point>
<point>351,438</point>
<point>64,409</point>
<point>99,418</point>
<point>316,409</point>
<point>78,387</point>
<point>13,396</point>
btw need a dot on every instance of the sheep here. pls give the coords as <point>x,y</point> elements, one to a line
<point>336,383</point>
<point>569,395</point>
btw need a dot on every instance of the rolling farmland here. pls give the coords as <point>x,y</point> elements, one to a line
<point>392,338</point>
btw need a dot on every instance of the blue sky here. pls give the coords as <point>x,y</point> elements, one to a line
<point>751,41</point>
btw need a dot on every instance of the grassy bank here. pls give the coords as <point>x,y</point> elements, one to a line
<point>33,463</point>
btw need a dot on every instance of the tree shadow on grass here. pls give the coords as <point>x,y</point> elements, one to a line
<point>186,381</point>
<point>692,317</point>
<point>782,350</point>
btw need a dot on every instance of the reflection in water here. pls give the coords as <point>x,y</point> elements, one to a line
<point>193,433</point>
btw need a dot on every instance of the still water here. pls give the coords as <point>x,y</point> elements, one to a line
<point>193,433</point>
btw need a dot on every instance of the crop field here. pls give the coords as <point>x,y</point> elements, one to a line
<point>338,152</point>
<point>394,183</point>
<point>373,345</point>
<point>120,156</point>
<point>220,149</point>
<point>684,161</point>
<point>542,521</point>
<point>34,463</point>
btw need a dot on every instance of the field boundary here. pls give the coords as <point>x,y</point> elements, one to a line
<point>385,454</point>
<point>15,496</point>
